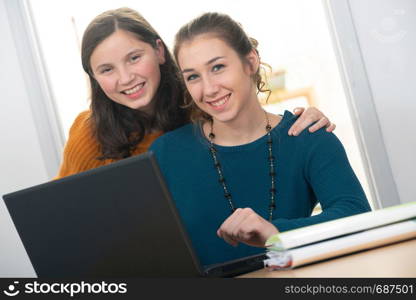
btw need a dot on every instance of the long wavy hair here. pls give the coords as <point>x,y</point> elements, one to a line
<point>233,34</point>
<point>119,129</point>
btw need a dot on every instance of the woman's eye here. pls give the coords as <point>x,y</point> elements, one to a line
<point>105,70</point>
<point>135,58</point>
<point>191,77</point>
<point>217,67</point>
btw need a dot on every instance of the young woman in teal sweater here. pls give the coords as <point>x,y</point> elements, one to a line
<point>235,174</point>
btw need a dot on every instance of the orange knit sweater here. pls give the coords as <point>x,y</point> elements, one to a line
<point>82,149</point>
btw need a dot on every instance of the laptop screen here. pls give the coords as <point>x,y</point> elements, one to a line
<point>117,220</point>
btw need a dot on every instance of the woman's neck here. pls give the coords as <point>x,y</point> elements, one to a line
<point>247,127</point>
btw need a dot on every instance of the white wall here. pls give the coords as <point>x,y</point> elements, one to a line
<point>21,160</point>
<point>386,32</point>
<point>375,41</point>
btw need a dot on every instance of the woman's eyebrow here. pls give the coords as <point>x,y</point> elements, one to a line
<point>134,51</point>
<point>212,60</point>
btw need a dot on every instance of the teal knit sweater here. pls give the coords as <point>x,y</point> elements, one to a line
<point>311,168</point>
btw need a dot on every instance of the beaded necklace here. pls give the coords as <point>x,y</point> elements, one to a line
<point>271,163</point>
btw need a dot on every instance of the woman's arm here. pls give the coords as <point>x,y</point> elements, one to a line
<point>334,184</point>
<point>332,180</point>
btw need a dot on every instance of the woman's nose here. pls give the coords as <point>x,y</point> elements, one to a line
<point>211,88</point>
<point>125,76</point>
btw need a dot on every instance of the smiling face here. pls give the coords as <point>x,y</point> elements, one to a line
<point>128,69</point>
<point>218,79</point>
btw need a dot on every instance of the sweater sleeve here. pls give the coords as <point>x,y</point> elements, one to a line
<point>334,183</point>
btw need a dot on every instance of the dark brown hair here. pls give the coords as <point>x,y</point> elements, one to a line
<point>229,31</point>
<point>118,128</point>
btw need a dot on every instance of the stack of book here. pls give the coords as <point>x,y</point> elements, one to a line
<point>342,236</point>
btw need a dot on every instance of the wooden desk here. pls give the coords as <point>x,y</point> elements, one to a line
<point>395,260</point>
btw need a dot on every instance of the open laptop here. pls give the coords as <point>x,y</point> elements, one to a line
<point>113,221</point>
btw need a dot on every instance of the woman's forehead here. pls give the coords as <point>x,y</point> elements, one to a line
<point>119,43</point>
<point>202,49</point>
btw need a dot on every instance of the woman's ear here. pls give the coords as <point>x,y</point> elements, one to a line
<point>160,51</point>
<point>253,61</point>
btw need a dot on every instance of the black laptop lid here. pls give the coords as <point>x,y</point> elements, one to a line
<point>115,220</point>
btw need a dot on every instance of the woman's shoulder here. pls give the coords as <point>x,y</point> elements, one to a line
<point>84,115</point>
<point>81,131</point>
<point>306,142</point>
<point>82,122</point>
<point>286,120</point>
<point>81,149</point>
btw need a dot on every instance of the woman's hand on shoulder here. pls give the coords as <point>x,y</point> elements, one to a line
<point>307,117</point>
<point>246,226</point>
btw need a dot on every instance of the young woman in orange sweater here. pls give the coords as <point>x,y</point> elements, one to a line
<point>137,94</point>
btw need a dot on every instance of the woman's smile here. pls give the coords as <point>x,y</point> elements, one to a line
<point>219,103</point>
<point>135,92</point>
